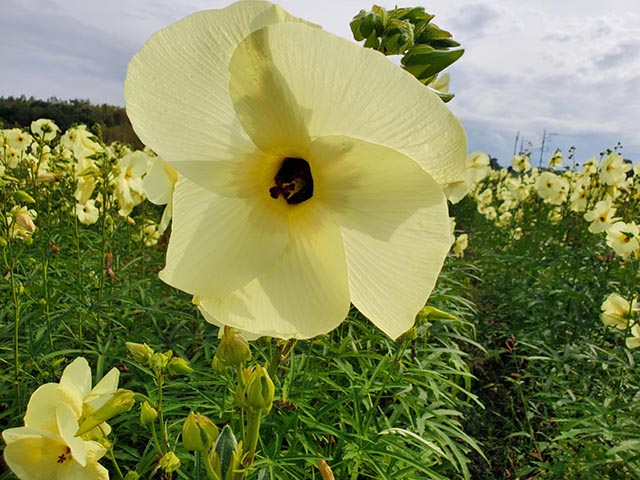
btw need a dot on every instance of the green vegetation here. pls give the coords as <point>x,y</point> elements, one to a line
<point>113,121</point>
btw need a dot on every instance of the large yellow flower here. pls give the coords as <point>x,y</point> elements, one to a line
<point>311,171</point>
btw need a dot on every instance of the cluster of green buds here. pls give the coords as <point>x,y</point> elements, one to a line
<point>426,49</point>
<point>255,390</point>
<point>159,362</point>
<point>220,450</point>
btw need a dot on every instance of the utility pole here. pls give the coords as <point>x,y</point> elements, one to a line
<point>544,138</point>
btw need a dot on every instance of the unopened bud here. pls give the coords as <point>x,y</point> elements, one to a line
<point>256,391</point>
<point>170,462</point>
<point>199,433</point>
<point>160,361</point>
<point>132,475</point>
<point>233,349</point>
<point>148,414</point>
<point>179,366</point>
<point>21,196</point>
<point>141,352</point>
<point>121,401</point>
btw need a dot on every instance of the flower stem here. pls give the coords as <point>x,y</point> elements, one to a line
<point>254,419</point>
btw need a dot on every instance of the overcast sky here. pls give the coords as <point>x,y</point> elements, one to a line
<point>571,67</point>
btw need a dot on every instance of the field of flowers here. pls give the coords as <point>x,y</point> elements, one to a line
<point>124,275</point>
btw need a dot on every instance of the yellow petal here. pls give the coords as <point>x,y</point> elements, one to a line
<point>32,454</point>
<point>75,384</point>
<point>394,223</point>
<point>219,244</point>
<point>177,87</point>
<point>103,389</point>
<point>67,427</point>
<point>305,294</point>
<point>41,410</point>
<point>335,87</point>
<point>159,182</point>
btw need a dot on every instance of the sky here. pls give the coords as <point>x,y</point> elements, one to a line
<point>570,68</point>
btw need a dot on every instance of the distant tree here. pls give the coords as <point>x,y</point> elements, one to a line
<point>113,121</point>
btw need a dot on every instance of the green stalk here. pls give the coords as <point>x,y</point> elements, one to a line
<point>254,420</point>
<point>16,314</point>
<point>78,273</point>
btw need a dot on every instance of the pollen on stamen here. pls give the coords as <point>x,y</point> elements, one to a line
<point>293,182</point>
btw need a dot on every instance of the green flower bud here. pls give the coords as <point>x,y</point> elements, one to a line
<point>132,475</point>
<point>121,401</point>
<point>256,390</point>
<point>170,462</point>
<point>148,414</point>
<point>141,352</point>
<point>199,433</point>
<point>233,349</point>
<point>160,361</point>
<point>179,366</point>
<point>21,196</point>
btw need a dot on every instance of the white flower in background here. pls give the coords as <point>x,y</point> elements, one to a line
<point>45,129</point>
<point>590,166</point>
<point>158,185</point>
<point>17,139</point>
<point>602,216</point>
<point>623,238</point>
<point>556,159</point>
<point>520,163</point>
<point>81,142</point>
<point>460,245</point>
<point>128,185</point>
<point>11,157</point>
<point>21,222</point>
<point>616,311</point>
<point>613,170</point>
<point>634,340</point>
<point>87,213</point>
<point>477,167</point>
<point>301,187</point>
<point>552,188</point>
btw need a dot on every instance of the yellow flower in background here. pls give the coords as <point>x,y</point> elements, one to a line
<point>634,340</point>
<point>87,213</point>
<point>460,245</point>
<point>477,167</point>
<point>623,238</point>
<point>520,163</point>
<point>17,139</point>
<point>556,159</point>
<point>311,171</point>
<point>616,311</point>
<point>158,185</point>
<point>128,185</point>
<point>45,129</point>
<point>613,170</point>
<point>21,223</point>
<point>552,188</point>
<point>81,142</point>
<point>602,216</point>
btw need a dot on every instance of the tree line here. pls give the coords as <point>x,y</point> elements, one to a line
<point>113,121</point>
